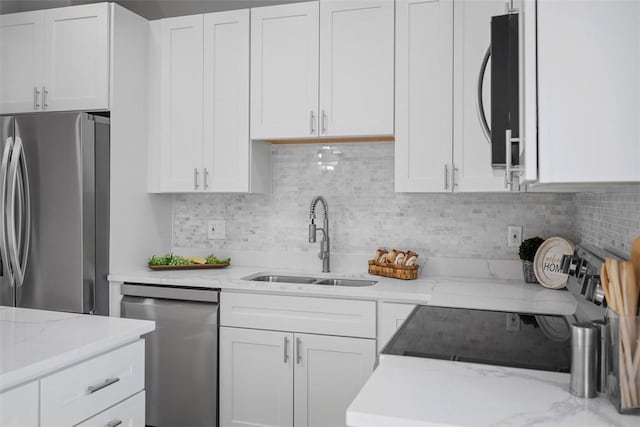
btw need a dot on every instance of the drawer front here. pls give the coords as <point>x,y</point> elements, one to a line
<point>129,413</point>
<point>341,317</point>
<point>76,393</point>
<point>19,406</point>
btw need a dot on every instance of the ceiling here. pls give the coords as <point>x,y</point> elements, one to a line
<point>150,9</point>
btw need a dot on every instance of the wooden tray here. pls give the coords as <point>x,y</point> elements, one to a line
<point>394,271</point>
<point>187,267</point>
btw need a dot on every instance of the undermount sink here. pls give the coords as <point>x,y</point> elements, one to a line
<point>345,282</point>
<point>272,278</point>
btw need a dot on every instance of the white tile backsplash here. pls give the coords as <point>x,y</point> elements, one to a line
<point>610,220</point>
<point>364,210</point>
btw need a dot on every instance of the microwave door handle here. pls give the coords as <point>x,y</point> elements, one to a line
<point>482,117</point>
<point>4,252</point>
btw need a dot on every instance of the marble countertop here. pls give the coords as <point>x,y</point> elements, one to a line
<point>34,343</point>
<point>479,293</point>
<point>407,391</point>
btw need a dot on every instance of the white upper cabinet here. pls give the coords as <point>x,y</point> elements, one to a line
<point>181,107</point>
<point>588,87</point>
<point>76,58</point>
<point>356,67</point>
<point>226,101</point>
<point>21,39</point>
<point>284,71</point>
<point>472,151</point>
<point>424,69</point>
<point>55,60</point>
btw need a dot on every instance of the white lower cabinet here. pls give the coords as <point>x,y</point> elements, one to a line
<point>129,413</point>
<point>19,406</point>
<point>106,390</point>
<point>390,317</point>
<point>256,378</point>
<point>289,378</point>
<point>328,374</point>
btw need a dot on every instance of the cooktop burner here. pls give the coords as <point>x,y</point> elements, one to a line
<point>541,342</point>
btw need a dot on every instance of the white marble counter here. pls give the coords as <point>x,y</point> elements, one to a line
<point>34,343</point>
<point>406,391</point>
<point>481,293</point>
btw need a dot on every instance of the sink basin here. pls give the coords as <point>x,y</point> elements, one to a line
<point>308,280</point>
<point>344,282</point>
<point>282,279</point>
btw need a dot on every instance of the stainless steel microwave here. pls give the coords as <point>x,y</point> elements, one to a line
<point>503,55</point>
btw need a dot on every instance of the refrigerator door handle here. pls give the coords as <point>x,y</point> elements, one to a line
<point>14,231</point>
<point>4,252</point>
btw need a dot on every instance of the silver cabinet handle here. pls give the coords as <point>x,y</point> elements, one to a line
<point>114,423</point>
<point>286,349</point>
<point>298,352</point>
<point>45,92</point>
<point>36,95</point>
<point>446,176</point>
<point>313,122</point>
<point>324,121</point>
<point>454,176</point>
<point>195,178</point>
<point>479,101</point>
<point>206,178</point>
<point>106,383</point>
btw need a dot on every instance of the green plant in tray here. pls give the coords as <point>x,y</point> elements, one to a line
<point>529,247</point>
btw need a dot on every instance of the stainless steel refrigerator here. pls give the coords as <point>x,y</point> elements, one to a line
<point>54,212</point>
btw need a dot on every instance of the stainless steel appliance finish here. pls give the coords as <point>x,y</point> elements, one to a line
<point>325,250</point>
<point>584,342</point>
<point>181,354</point>
<point>54,204</point>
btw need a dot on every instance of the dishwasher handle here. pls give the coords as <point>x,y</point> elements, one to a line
<point>171,292</point>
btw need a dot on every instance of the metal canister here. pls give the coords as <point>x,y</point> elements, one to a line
<point>585,342</point>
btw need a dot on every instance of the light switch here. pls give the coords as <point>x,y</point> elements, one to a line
<point>216,229</point>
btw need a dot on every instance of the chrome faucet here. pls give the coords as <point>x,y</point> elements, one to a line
<point>325,252</point>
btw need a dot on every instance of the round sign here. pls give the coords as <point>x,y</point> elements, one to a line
<point>547,264</point>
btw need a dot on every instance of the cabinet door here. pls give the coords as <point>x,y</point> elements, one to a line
<point>226,101</point>
<point>390,318</point>
<point>356,67</point>
<point>181,108</point>
<point>256,377</point>
<point>21,39</point>
<point>472,151</point>
<point>284,71</point>
<point>19,406</point>
<point>329,372</point>
<point>76,65</point>
<point>424,67</point>
<point>588,91</point>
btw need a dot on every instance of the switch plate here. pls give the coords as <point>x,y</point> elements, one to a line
<point>216,229</point>
<point>514,235</point>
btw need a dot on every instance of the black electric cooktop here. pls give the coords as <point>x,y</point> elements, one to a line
<point>541,342</point>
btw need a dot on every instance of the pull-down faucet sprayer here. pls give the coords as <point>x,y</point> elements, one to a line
<point>325,252</point>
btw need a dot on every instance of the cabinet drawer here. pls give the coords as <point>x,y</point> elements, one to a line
<point>19,406</point>
<point>77,393</point>
<point>129,413</point>
<point>299,314</point>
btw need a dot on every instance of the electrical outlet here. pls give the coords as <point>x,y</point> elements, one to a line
<point>513,322</point>
<point>216,229</point>
<point>514,235</point>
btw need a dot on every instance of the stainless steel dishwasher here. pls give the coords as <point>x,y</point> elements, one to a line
<point>181,354</point>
